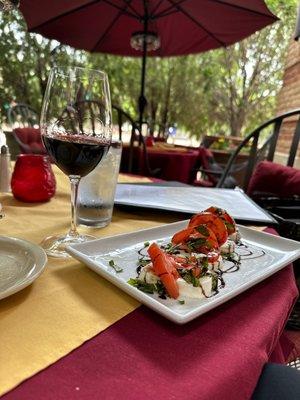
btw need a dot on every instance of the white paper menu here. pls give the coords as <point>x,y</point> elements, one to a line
<point>191,200</point>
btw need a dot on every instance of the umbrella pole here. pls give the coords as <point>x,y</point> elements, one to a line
<point>142,102</point>
<point>142,99</point>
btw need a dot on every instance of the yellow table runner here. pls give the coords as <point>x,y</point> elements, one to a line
<point>68,304</point>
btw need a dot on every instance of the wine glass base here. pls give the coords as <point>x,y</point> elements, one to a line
<point>55,246</point>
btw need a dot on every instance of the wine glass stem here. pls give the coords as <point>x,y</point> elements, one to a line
<point>74,180</point>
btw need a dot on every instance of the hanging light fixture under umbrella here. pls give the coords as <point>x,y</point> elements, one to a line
<point>149,27</point>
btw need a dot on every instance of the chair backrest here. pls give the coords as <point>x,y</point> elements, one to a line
<point>22,116</point>
<point>29,140</point>
<point>24,122</point>
<point>265,151</point>
<point>211,170</point>
<point>93,110</point>
<point>137,144</point>
<point>208,163</point>
<point>123,119</point>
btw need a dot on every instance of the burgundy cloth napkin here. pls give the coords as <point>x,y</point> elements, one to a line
<point>219,355</point>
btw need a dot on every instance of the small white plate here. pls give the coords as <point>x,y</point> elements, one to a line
<point>21,262</point>
<point>270,254</point>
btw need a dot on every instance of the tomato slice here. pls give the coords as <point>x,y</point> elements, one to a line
<point>207,238</point>
<point>213,256</point>
<point>182,236</point>
<point>165,268</point>
<point>183,262</point>
<point>213,222</point>
<point>196,271</point>
<point>227,218</point>
<point>180,260</point>
<point>154,250</point>
<point>170,284</point>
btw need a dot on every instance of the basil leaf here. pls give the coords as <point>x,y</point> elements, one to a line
<point>203,230</point>
<point>112,264</point>
<point>194,244</point>
<point>229,226</point>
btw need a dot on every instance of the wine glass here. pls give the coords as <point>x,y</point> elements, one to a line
<point>76,130</point>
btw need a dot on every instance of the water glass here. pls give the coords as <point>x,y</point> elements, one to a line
<point>97,190</point>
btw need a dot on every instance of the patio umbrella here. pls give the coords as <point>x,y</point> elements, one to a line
<point>155,27</point>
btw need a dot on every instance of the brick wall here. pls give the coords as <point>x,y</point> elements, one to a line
<point>289,97</point>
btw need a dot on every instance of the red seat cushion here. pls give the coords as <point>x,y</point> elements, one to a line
<point>149,141</point>
<point>274,179</point>
<point>30,140</point>
<point>202,183</point>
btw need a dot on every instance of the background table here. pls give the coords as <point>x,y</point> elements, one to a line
<point>137,353</point>
<point>175,164</point>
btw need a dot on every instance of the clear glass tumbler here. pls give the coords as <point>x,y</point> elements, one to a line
<point>97,190</point>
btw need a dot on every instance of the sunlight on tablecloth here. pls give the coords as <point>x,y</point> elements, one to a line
<point>68,304</point>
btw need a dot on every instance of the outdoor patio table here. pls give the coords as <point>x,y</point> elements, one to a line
<point>73,335</point>
<point>175,164</point>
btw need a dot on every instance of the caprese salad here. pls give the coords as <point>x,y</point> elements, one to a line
<point>193,263</point>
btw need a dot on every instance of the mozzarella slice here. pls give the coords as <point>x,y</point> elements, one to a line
<point>147,275</point>
<point>227,247</point>
<point>216,264</point>
<point>212,266</point>
<point>236,236</point>
<point>188,290</point>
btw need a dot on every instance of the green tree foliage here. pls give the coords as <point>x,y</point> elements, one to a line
<point>223,91</point>
<point>25,62</point>
<point>249,74</point>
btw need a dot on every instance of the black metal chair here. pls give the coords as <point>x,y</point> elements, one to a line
<point>137,145</point>
<point>24,122</point>
<point>210,170</point>
<point>22,115</point>
<point>285,209</point>
<point>266,150</point>
<point>137,160</point>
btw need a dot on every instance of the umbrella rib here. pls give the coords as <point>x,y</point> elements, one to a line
<point>128,3</point>
<point>167,11</point>
<point>184,12</point>
<point>65,14</point>
<point>110,26</point>
<point>245,9</point>
<point>134,13</point>
<point>156,7</point>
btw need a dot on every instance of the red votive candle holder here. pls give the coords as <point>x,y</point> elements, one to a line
<point>33,179</point>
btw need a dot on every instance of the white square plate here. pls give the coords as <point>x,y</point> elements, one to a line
<point>270,254</point>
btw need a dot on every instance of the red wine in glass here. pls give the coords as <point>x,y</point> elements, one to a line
<point>75,154</point>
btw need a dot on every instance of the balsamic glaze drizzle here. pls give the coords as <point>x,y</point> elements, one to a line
<point>244,253</point>
<point>143,258</point>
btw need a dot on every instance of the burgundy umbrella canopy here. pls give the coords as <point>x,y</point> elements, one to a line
<point>155,27</point>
